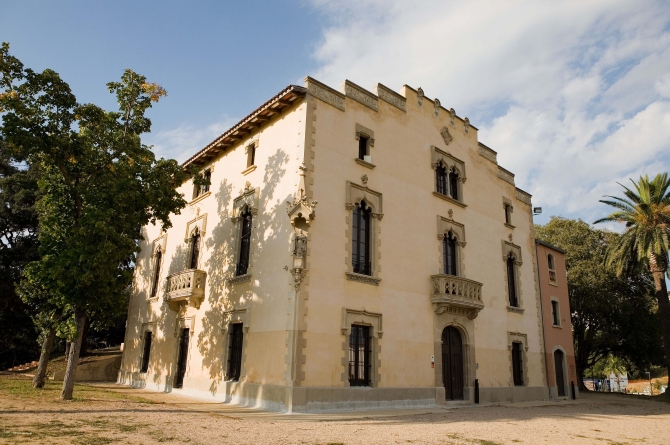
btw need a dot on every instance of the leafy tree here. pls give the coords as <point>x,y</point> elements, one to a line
<point>644,245</point>
<point>100,185</point>
<point>610,315</point>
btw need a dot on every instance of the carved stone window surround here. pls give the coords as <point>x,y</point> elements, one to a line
<point>354,195</point>
<point>365,132</point>
<point>366,164</point>
<point>157,245</point>
<point>523,339</point>
<point>250,151</point>
<point>183,323</point>
<point>449,162</point>
<point>364,318</point>
<point>444,227</point>
<point>199,198</point>
<point>248,198</point>
<point>508,208</point>
<point>507,248</point>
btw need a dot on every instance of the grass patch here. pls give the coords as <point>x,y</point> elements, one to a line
<point>488,442</point>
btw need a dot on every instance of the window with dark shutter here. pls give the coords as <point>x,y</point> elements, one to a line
<point>511,281</point>
<point>195,249</point>
<point>360,251</point>
<point>554,313</point>
<point>146,352</point>
<point>441,179</point>
<point>359,356</point>
<point>157,273</point>
<point>517,363</point>
<point>453,184</point>
<point>362,147</point>
<point>235,352</point>
<point>449,253</point>
<point>245,243</point>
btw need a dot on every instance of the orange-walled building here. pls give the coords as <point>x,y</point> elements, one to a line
<point>556,322</point>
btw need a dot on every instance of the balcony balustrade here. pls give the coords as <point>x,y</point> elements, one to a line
<point>187,285</point>
<point>456,295</point>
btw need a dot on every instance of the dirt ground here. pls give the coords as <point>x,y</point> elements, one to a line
<point>129,416</point>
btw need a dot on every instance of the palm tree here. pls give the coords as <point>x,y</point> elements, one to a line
<point>645,241</point>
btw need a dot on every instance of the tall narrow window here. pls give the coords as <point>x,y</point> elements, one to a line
<point>195,249</point>
<point>511,281</point>
<point>360,249</point>
<point>362,147</point>
<point>204,188</point>
<point>245,243</point>
<point>251,154</point>
<point>359,356</point>
<point>235,352</point>
<point>157,273</point>
<point>552,268</point>
<point>453,183</point>
<point>449,254</point>
<point>554,313</point>
<point>517,363</point>
<point>146,352</point>
<point>441,179</point>
<point>508,214</point>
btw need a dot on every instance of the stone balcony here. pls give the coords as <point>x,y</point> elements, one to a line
<point>456,295</point>
<point>187,285</point>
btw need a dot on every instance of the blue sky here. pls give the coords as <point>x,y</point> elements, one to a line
<point>573,95</point>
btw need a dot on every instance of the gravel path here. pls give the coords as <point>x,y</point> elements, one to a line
<point>101,417</point>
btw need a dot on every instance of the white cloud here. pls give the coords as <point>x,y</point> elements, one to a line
<point>572,94</point>
<point>183,142</point>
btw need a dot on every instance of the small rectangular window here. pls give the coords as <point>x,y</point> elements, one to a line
<point>517,363</point>
<point>362,147</point>
<point>554,313</point>
<point>508,217</point>
<point>204,188</point>
<point>251,155</point>
<point>146,352</point>
<point>359,356</point>
<point>235,352</point>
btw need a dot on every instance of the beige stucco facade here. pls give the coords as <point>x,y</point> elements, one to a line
<point>298,300</point>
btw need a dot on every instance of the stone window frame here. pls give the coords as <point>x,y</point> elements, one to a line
<point>444,226</point>
<point>248,199</point>
<point>158,244</point>
<point>231,317</point>
<point>518,337</point>
<point>508,209</point>
<point>449,162</point>
<point>251,150</point>
<point>553,299</point>
<point>507,248</point>
<point>183,323</point>
<point>362,318</point>
<point>362,131</point>
<point>197,196</point>
<point>354,195</point>
<point>148,326</point>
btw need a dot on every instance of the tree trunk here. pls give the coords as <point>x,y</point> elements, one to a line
<point>73,357</point>
<point>67,350</point>
<point>47,346</point>
<point>663,311</point>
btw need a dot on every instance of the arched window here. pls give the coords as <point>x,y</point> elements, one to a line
<point>441,179</point>
<point>449,254</point>
<point>245,243</point>
<point>195,249</point>
<point>360,248</point>
<point>453,183</point>
<point>157,273</point>
<point>511,281</point>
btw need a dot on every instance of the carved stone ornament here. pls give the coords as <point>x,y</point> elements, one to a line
<point>298,277</point>
<point>300,245</point>
<point>452,115</point>
<point>388,95</point>
<point>466,125</point>
<point>301,206</point>
<point>248,198</point>
<point>357,193</point>
<point>446,225</point>
<point>325,93</point>
<point>446,136</point>
<point>239,279</point>
<point>367,279</point>
<point>360,95</point>
<point>364,179</point>
<point>436,107</point>
<point>419,96</point>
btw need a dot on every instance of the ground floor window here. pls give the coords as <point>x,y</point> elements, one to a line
<point>517,363</point>
<point>359,356</point>
<point>235,352</point>
<point>146,351</point>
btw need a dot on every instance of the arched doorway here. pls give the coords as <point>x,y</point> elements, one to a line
<point>560,378</point>
<point>452,363</point>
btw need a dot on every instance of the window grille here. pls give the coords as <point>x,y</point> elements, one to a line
<point>157,273</point>
<point>359,356</point>
<point>511,282</point>
<point>235,352</point>
<point>360,251</point>
<point>517,363</point>
<point>146,352</point>
<point>195,249</point>
<point>554,313</point>
<point>441,179</point>
<point>453,183</point>
<point>245,243</point>
<point>449,254</point>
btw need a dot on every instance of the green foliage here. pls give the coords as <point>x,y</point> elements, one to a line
<point>100,185</point>
<point>610,314</point>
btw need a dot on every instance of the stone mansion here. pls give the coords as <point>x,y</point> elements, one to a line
<point>354,249</point>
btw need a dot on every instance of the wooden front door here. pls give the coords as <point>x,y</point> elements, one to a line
<point>452,363</point>
<point>181,360</point>
<point>558,366</point>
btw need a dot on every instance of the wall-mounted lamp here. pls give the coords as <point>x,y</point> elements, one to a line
<point>537,210</point>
